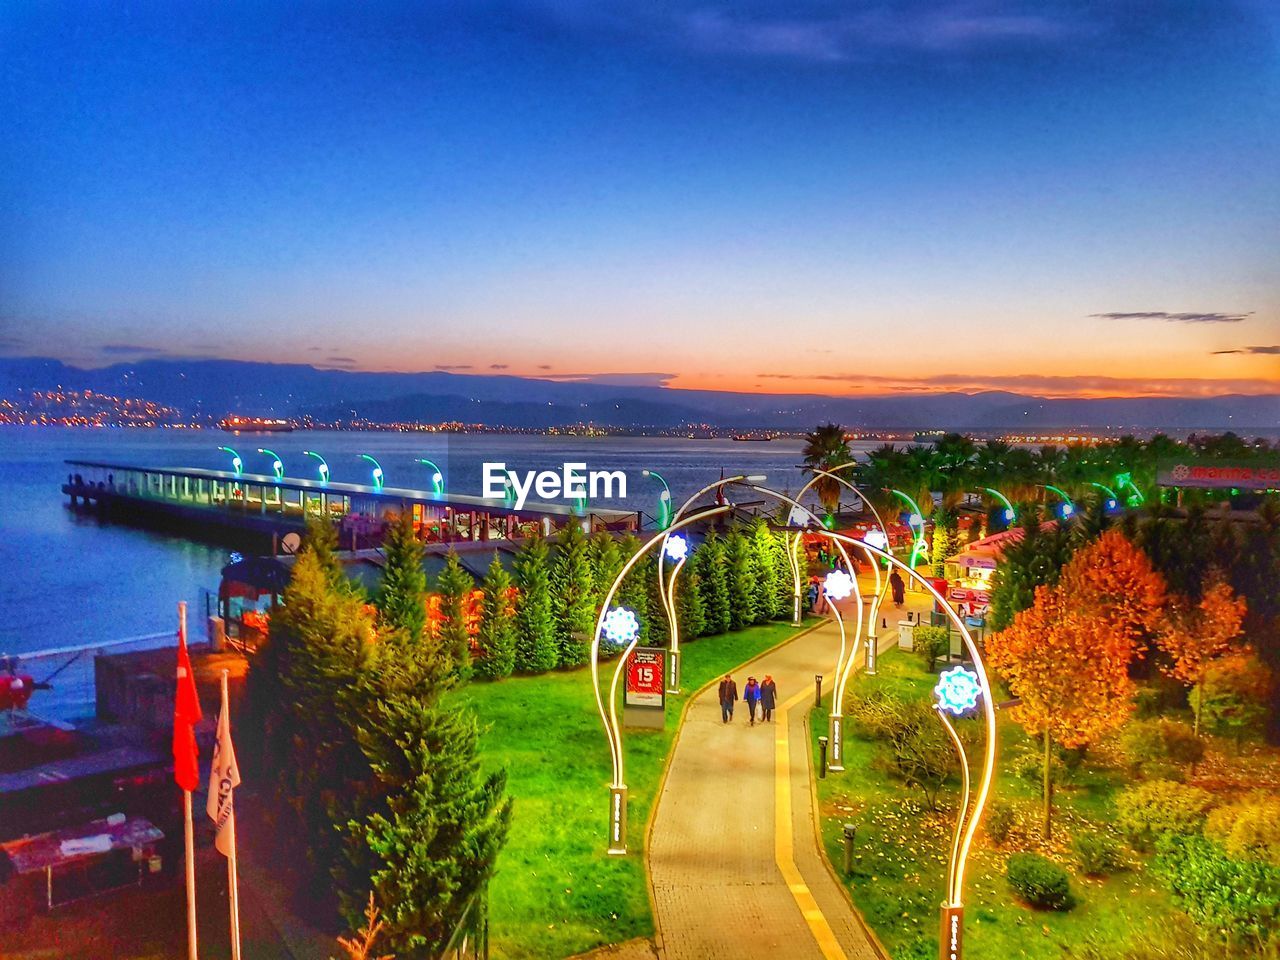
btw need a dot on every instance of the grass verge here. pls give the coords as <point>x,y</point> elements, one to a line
<point>557,892</point>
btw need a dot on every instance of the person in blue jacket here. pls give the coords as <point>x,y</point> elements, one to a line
<point>751,696</point>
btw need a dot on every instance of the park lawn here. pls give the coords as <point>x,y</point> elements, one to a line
<point>556,892</point>
<point>901,849</point>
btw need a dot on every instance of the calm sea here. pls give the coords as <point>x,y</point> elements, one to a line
<point>67,579</point>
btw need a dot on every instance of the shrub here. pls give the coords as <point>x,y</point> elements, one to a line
<point>932,644</point>
<point>1248,829</point>
<point>1040,882</point>
<point>1149,810</point>
<point>1153,746</point>
<point>1237,899</point>
<point>999,822</point>
<point>872,715</point>
<point>1097,853</point>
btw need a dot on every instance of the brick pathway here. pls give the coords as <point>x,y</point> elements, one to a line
<point>717,841</point>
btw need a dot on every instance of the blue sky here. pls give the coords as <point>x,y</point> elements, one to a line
<point>836,197</point>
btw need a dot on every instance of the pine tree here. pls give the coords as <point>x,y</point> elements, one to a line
<point>634,591</point>
<point>764,549</point>
<point>689,609</point>
<point>401,599</point>
<point>1031,561</point>
<point>455,586</point>
<point>535,632</point>
<point>713,581</point>
<point>606,561</point>
<point>946,540</point>
<point>322,540</point>
<point>497,638</point>
<point>572,606</point>
<point>742,577</point>
<point>440,825</point>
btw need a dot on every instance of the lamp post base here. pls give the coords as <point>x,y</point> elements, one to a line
<point>951,933</point>
<point>673,674</point>
<point>835,730</point>
<point>618,820</point>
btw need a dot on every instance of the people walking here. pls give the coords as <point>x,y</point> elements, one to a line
<point>899,588</point>
<point>751,695</point>
<point>813,596</point>
<point>768,698</point>
<point>728,697</point>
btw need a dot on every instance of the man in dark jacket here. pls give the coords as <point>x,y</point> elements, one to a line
<point>728,696</point>
<point>898,587</point>
<point>768,697</point>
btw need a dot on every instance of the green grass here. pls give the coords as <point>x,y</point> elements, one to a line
<point>557,892</point>
<point>901,849</point>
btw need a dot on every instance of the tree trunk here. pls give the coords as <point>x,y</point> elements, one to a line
<point>1048,788</point>
<point>1198,693</point>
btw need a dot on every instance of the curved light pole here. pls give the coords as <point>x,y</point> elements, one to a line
<point>1126,480</point>
<point>1113,501</point>
<point>437,477</point>
<point>378,475</point>
<point>324,467</point>
<point>664,498</point>
<point>916,522</point>
<point>1068,506</point>
<point>277,465</point>
<point>1010,514</point>
<point>237,465</point>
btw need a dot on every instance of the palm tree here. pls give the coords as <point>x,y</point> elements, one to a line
<point>825,448</point>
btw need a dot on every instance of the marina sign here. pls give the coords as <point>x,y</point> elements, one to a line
<point>1219,474</point>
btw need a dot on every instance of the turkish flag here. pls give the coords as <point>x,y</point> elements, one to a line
<point>186,714</point>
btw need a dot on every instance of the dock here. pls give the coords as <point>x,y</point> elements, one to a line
<point>256,508</point>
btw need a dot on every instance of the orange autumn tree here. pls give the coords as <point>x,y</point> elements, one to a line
<point>1067,656</point>
<point>1198,636</point>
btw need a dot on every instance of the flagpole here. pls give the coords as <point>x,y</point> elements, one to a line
<point>233,885</point>
<point>188,829</point>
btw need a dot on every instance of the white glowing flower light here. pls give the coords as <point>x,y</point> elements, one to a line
<point>838,585</point>
<point>798,517</point>
<point>957,690</point>
<point>621,626</point>
<point>677,548</point>
<point>876,538</point>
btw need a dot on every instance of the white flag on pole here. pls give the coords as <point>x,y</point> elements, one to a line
<point>224,776</point>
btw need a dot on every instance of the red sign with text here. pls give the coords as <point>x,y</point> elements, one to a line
<point>645,677</point>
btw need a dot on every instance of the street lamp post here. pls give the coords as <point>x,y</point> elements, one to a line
<point>664,499</point>
<point>1068,506</point>
<point>378,476</point>
<point>277,465</point>
<point>237,465</point>
<point>916,521</point>
<point>437,477</point>
<point>324,467</point>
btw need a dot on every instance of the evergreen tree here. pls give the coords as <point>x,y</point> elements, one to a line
<point>572,606</point>
<point>535,632</point>
<point>435,836</point>
<point>770,567</point>
<point>946,540</point>
<point>1033,560</point>
<point>606,561</point>
<point>401,599</point>
<point>713,581</point>
<point>497,639</point>
<point>742,576</point>
<point>634,591</point>
<point>455,587</point>
<point>322,540</point>
<point>689,609</point>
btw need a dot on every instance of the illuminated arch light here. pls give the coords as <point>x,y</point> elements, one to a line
<point>677,548</point>
<point>957,690</point>
<point>621,626</point>
<point>838,585</point>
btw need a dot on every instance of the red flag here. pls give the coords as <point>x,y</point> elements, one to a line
<point>186,714</point>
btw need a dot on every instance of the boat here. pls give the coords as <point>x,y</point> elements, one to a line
<point>255,425</point>
<point>748,438</point>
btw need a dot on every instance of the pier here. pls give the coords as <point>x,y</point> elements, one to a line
<point>218,504</point>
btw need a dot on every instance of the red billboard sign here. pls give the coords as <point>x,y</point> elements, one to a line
<point>645,677</point>
<point>1219,475</point>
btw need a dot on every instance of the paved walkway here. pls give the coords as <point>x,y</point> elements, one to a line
<point>734,861</point>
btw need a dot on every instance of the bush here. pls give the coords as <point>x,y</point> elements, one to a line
<point>999,822</point>
<point>872,716</point>
<point>932,644</point>
<point>1155,745</point>
<point>1097,853</point>
<point>1150,810</point>
<point>1040,882</point>
<point>1237,899</point>
<point>1248,829</point>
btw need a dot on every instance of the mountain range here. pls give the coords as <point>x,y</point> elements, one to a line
<point>214,388</point>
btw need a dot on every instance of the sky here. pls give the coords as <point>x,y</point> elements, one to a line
<point>1062,198</point>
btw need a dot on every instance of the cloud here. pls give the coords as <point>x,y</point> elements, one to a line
<point>498,366</point>
<point>453,366</point>
<point>1175,317</point>
<point>544,366</point>
<point>617,379</point>
<point>1041,384</point>
<point>1265,351</point>
<point>128,350</point>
